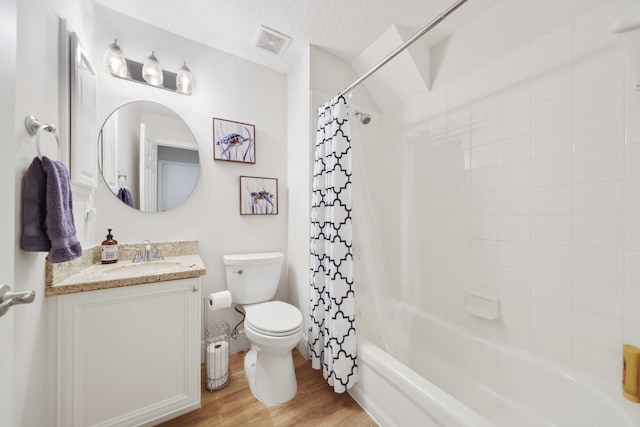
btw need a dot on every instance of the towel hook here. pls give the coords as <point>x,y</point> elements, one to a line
<point>33,125</point>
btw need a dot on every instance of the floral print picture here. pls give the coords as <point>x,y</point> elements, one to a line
<point>258,196</point>
<point>234,141</point>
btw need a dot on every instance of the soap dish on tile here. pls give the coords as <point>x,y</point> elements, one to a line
<point>482,306</point>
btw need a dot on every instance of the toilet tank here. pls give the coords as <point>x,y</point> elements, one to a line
<point>253,278</point>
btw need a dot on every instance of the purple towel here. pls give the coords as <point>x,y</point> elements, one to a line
<point>125,195</point>
<point>34,235</point>
<point>59,221</point>
<point>47,212</point>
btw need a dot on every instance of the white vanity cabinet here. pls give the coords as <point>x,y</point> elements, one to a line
<point>128,355</point>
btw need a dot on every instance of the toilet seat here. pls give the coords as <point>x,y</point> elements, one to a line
<point>274,318</point>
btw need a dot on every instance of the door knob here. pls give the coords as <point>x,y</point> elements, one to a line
<point>8,298</point>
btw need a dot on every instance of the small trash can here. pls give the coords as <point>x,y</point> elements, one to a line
<point>217,354</point>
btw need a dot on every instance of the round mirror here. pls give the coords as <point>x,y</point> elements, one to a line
<point>148,156</point>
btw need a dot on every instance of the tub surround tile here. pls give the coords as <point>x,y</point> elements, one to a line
<point>600,132</point>
<point>515,307</point>
<point>514,202</point>
<point>598,297</point>
<point>551,318</point>
<point>599,231</point>
<point>603,265</point>
<point>551,83</point>
<point>604,164</point>
<point>87,273</point>
<point>599,198</point>
<point>514,281</point>
<point>632,268</point>
<point>514,228</point>
<point>555,230</point>
<point>514,123</point>
<point>552,113</point>
<point>549,201</point>
<point>592,102</point>
<point>514,150</point>
<point>554,259</point>
<point>551,288</point>
<point>597,330</point>
<point>550,143</point>
<point>631,331</point>
<point>549,171</point>
<point>632,123</point>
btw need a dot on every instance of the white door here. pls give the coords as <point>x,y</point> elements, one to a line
<point>148,172</point>
<point>175,183</point>
<point>108,158</point>
<point>8,20</point>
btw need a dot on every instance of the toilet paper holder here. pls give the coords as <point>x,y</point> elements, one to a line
<point>217,337</point>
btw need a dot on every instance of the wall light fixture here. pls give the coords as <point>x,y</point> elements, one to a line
<point>184,80</point>
<point>114,60</point>
<point>151,70</point>
<point>149,73</point>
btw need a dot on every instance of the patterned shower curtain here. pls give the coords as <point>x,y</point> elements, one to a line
<point>332,335</point>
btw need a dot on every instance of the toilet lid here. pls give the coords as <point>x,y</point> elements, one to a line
<point>274,318</point>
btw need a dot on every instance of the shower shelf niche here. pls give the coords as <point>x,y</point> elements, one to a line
<point>482,306</point>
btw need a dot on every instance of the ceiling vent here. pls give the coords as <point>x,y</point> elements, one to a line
<point>271,40</point>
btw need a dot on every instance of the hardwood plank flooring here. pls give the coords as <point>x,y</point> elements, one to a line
<point>315,404</point>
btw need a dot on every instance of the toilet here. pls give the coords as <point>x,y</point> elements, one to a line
<point>272,327</point>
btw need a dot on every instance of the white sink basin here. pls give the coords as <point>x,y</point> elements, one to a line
<point>142,268</point>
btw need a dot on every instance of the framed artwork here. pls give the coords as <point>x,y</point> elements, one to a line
<point>234,141</point>
<point>258,196</point>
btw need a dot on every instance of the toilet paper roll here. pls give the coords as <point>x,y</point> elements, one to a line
<point>218,300</point>
<point>217,360</point>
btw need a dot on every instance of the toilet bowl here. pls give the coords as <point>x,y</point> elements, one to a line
<point>272,327</point>
<point>269,364</point>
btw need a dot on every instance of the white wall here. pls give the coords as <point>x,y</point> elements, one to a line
<point>517,177</point>
<point>298,158</point>
<point>36,93</point>
<point>225,87</point>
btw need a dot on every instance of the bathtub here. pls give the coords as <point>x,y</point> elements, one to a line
<point>457,379</point>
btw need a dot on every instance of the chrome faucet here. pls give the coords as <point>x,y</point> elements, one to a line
<point>147,250</point>
<point>148,255</point>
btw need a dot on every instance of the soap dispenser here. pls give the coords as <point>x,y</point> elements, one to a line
<point>109,249</point>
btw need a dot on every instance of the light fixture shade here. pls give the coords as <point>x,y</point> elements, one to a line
<point>184,80</point>
<point>114,61</point>
<point>151,71</point>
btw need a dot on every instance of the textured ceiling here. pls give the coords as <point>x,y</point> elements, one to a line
<point>343,28</point>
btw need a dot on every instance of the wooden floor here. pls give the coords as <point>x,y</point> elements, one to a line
<point>315,404</point>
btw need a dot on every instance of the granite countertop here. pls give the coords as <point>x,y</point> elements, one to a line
<point>87,273</point>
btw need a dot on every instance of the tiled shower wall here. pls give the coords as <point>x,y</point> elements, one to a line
<point>521,180</point>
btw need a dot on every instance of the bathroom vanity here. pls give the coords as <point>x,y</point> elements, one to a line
<point>128,353</point>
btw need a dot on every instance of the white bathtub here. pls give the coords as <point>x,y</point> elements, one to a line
<point>459,380</point>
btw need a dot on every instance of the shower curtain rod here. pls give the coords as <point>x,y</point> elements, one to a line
<point>402,47</point>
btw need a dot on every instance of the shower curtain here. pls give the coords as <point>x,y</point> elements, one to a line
<point>332,334</point>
